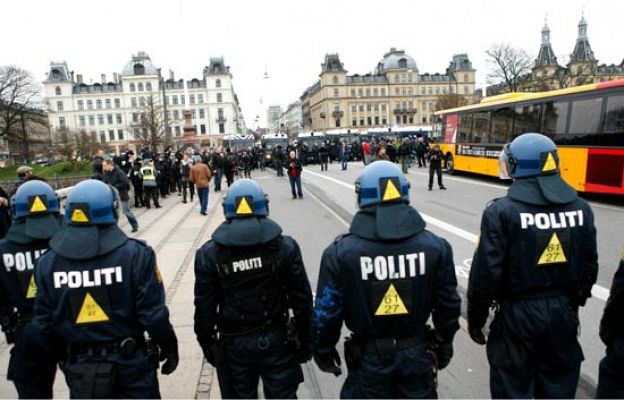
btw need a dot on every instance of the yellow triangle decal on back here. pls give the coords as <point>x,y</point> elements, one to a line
<point>243,207</point>
<point>38,205</point>
<point>79,216</point>
<point>391,303</point>
<point>391,192</point>
<point>31,293</point>
<point>91,311</point>
<point>550,164</point>
<point>553,253</point>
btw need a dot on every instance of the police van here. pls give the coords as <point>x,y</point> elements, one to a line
<point>309,145</point>
<point>351,136</point>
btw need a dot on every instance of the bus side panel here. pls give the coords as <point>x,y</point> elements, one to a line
<point>477,165</point>
<point>605,171</point>
<point>573,166</point>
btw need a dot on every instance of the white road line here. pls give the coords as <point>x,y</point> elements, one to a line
<point>598,291</point>
<point>329,210</point>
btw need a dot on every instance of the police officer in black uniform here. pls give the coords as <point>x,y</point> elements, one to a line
<point>385,278</point>
<point>37,219</point>
<point>247,278</point>
<point>100,291</point>
<point>537,261</point>
<point>611,373</point>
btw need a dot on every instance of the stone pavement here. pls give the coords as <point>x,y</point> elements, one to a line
<point>175,231</point>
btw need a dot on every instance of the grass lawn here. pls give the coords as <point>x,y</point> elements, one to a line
<point>63,169</point>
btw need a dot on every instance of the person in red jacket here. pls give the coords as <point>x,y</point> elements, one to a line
<point>294,175</point>
<point>366,152</point>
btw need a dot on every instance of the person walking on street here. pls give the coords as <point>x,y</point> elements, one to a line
<point>137,183</point>
<point>381,154</point>
<point>294,174</point>
<point>324,156</point>
<point>218,163</point>
<point>200,176</point>
<point>149,173</point>
<point>344,154</point>
<point>114,176</point>
<point>366,152</point>
<point>435,166</point>
<point>278,160</point>
<point>229,167</point>
<point>185,171</point>
<point>98,158</point>
<point>421,151</point>
<point>404,155</point>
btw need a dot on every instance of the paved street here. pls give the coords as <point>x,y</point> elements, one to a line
<point>176,230</point>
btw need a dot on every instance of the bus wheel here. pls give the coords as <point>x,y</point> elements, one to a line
<point>450,164</point>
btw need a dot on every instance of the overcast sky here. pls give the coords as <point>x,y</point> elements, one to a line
<point>291,37</point>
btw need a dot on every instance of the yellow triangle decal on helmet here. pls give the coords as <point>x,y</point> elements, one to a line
<point>79,216</point>
<point>553,253</point>
<point>391,193</point>
<point>31,293</point>
<point>391,303</point>
<point>243,207</point>
<point>91,311</point>
<point>38,205</point>
<point>550,164</point>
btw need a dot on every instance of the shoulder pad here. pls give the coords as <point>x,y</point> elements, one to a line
<point>491,202</point>
<point>340,237</point>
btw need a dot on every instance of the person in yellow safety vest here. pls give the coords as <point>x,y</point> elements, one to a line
<point>150,187</point>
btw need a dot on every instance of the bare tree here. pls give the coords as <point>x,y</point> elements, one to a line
<point>150,128</point>
<point>507,65</point>
<point>19,96</point>
<point>76,147</point>
<point>452,100</point>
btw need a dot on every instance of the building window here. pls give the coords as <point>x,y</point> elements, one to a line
<point>397,91</point>
<point>430,90</point>
<point>202,129</point>
<point>193,114</point>
<point>107,103</point>
<point>191,99</point>
<point>81,121</point>
<point>133,101</point>
<point>376,107</point>
<point>424,120</point>
<point>102,137</point>
<point>140,87</point>
<point>132,87</point>
<point>98,104</point>
<point>352,92</point>
<point>220,114</point>
<point>383,106</point>
<point>360,92</point>
<point>218,83</point>
<point>465,77</point>
<point>409,78</point>
<point>338,123</point>
<point>118,118</point>
<point>369,120</point>
<point>383,92</point>
<point>182,99</point>
<point>221,128</point>
<point>383,121</point>
<point>139,69</point>
<point>101,119</point>
<point>176,114</point>
<point>336,93</point>
<point>219,98</point>
<point>120,134</point>
<point>353,108</point>
<point>58,91</point>
<point>59,105</point>
<point>398,119</point>
<point>404,91</point>
<point>423,90</point>
<point>368,92</point>
<point>375,92</point>
<point>109,119</point>
<point>361,121</point>
<point>361,107</point>
<point>111,135</point>
<point>466,89</point>
<point>202,113</point>
<point>177,131</point>
<point>142,101</point>
<point>397,78</point>
<point>368,107</point>
<point>117,103</point>
<point>135,117</point>
<point>376,120</point>
<point>354,122</point>
<point>91,120</point>
<point>174,99</point>
<point>200,98</point>
<point>148,87</point>
<point>80,105</point>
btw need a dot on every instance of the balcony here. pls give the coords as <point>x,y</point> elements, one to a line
<point>337,114</point>
<point>221,119</point>
<point>405,111</point>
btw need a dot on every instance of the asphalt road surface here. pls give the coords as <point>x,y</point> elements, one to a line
<point>176,230</point>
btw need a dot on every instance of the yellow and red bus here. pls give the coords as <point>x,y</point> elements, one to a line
<point>586,122</point>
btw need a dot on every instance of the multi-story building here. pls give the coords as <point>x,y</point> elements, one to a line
<point>290,121</point>
<point>582,67</point>
<point>395,94</point>
<point>111,109</point>
<point>273,115</point>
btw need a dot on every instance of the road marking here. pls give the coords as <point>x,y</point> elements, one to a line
<point>598,291</point>
<point>329,210</point>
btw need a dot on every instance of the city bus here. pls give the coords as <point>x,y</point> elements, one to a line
<point>239,142</point>
<point>586,122</point>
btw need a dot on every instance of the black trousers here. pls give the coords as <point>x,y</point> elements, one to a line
<point>611,372</point>
<point>191,188</point>
<point>138,196</point>
<point>151,193</point>
<point>438,171</point>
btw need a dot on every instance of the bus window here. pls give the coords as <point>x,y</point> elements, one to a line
<point>502,122</point>
<point>464,128</point>
<point>614,121</point>
<point>554,120</point>
<point>481,127</point>
<point>527,119</point>
<point>585,121</point>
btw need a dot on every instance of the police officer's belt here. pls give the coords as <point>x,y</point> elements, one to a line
<point>382,346</point>
<point>125,347</point>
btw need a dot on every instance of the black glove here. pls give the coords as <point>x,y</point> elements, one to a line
<point>210,352</point>
<point>477,335</point>
<point>328,361</point>
<point>442,350</point>
<point>9,324</point>
<point>304,353</point>
<point>168,342</point>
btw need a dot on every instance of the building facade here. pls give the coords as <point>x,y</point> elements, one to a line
<point>111,109</point>
<point>582,67</point>
<point>273,116</point>
<point>395,94</point>
<point>290,122</point>
<point>29,138</point>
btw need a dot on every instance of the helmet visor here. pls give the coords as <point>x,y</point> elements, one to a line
<point>504,164</point>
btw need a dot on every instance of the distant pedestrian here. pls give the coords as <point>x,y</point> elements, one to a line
<point>137,183</point>
<point>381,154</point>
<point>404,155</point>
<point>324,156</point>
<point>366,152</point>
<point>278,161</point>
<point>435,166</point>
<point>344,153</point>
<point>185,171</point>
<point>200,176</point>
<point>229,166</point>
<point>114,176</point>
<point>421,151</point>
<point>98,158</point>
<point>149,173</point>
<point>294,175</point>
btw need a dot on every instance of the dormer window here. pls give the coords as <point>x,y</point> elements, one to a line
<point>139,69</point>
<point>111,87</point>
<point>56,74</point>
<point>402,63</point>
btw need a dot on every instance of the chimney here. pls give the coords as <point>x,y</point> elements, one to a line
<point>79,78</point>
<point>103,77</point>
<point>171,75</point>
<point>72,75</point>
<point>115,78</point>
